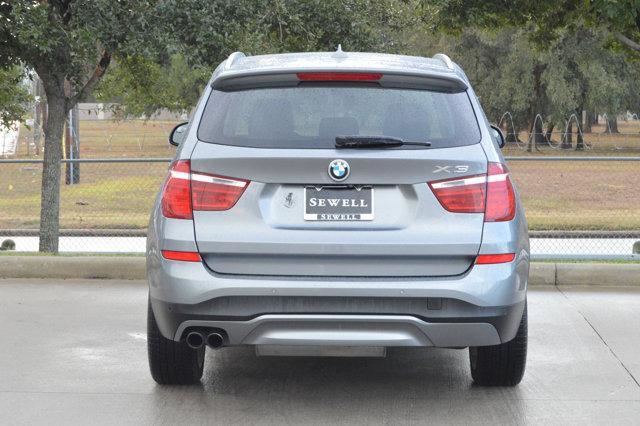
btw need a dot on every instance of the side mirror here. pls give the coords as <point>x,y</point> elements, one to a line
<point>178,133</point>
<point>497,135</point>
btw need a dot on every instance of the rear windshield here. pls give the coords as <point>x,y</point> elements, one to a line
<point>311,116</point>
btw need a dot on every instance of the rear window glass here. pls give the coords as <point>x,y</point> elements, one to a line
<point>311,116</point>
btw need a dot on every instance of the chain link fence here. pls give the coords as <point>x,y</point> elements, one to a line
<point>586,207</point>
<point>104,203</point>
<point>577,207</point>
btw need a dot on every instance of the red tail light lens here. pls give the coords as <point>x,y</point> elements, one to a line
<point>338,76</point>
<point>184,256</point>
<point>176,193</point>
<point>501,198</point>
<point>490,259</point>
<point>492,194</point>
<point>184,191</point>
<point>461,195</point>
<point>215,193</point>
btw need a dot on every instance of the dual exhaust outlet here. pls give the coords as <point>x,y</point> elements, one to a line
<point>197,339</point>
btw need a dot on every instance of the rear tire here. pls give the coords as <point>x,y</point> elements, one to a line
<point>503,364</point>
<point>170,362</point>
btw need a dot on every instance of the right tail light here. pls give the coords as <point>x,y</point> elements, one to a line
<point>491,193</point>
<point>501,199</point>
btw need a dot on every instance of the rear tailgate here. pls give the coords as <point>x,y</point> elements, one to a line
<point>266,233</point>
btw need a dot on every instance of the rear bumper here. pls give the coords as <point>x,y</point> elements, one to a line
<point>481,307</point>
<point>349,330</point>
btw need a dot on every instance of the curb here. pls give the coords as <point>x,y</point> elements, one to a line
<point>542,274</point>
<point>83,267</point>
<point>134,268</point>
<point>607,274</point>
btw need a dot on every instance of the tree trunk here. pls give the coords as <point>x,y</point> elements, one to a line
<point>587,121</point>
<point>579,139</point>
<point>539,133</point>
<point>50,196</point>
<point>548,133</point>
<point>531,137</point>
<point>535,108</point>
<point>613,125</point>
<point>567,142</point>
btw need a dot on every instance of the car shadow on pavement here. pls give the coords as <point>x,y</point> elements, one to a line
<point>407,386</point>
<point>409,372</point>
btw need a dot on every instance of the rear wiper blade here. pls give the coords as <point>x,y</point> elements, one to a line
<point>373,142</point>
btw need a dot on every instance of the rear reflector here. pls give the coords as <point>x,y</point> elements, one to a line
<point>338,76</point>
<point>489,259</point>
<point>185,256</point>
<point>461,195</point>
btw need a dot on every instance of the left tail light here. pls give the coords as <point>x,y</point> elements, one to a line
<point>211,192</point>
<point>176,193</point>
<point>186,191</point>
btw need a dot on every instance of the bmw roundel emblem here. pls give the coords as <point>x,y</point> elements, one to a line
<point>339,170</point>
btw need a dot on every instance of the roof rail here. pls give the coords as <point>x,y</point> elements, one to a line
<point>232,58</point>
<point>444,58</point>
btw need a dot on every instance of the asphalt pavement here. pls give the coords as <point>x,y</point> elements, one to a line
<point>74,352</point>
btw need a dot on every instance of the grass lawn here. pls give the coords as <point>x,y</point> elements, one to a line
<point>579,195</point>
<point>109,196</point>
<point>557,195</point>
<point>115,139</point>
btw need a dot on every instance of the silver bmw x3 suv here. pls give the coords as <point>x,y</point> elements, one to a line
<point>338,204</point>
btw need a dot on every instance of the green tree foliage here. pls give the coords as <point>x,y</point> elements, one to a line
<point>69,44</point>
<point>548,18</point>
<point>203,34</point>
<point>164,51</point>
<point>210,31</point>
<point>139,86</point>
<point>14,96</point>
<point>578,72</point>
<point>547,22</point>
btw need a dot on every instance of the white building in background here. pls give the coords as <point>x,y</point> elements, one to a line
<point>9,139</point>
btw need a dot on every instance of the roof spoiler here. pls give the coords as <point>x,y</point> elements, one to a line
<point>232,58</point>
<point>445,59</point>
<point>451,83</point>
<point>251,79</point>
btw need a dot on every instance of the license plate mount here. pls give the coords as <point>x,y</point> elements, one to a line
<point>338,203</point>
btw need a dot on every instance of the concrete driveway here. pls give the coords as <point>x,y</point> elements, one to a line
<point>73,352</point>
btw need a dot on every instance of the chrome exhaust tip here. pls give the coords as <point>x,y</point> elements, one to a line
<point>195,340</point>
<point>215,340</point>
